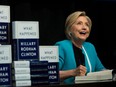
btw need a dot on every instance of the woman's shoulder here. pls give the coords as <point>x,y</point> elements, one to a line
<point>64,45</point>
<point>88,44</point>
<point>63,42</point>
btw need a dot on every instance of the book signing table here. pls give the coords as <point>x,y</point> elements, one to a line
<point>94,84</point>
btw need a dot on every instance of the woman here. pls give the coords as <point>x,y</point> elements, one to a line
<point>77,57</point>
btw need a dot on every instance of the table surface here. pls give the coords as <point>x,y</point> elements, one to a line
<point>93,84</point>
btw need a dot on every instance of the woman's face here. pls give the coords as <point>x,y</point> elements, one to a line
<point>80,29</point>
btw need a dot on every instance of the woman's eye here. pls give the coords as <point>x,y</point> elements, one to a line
<point>87,24</point>
<point>78,23</point>
<point>81,23</point>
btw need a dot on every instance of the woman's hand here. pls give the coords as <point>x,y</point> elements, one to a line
<point>80,71</point>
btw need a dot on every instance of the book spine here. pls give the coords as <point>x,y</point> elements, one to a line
<point>22,83</point>
<point>29,83</point>
<point>30,77</point>
<point>30,71</point>
<point>39,71</point>
<point>30,64</point>
<point>21,71</point>
<point>36,64</point>
<point>21,77</point>
<point>21,64</point>
<point>36,82</point>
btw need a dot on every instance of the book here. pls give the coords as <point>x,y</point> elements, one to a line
<point>21,83</point>
<point>50,54</point>
<point>30,67</point>
<point>31,71</point>
<point>30,77</point>
<point>24,70</point>
<point>29,83</point>
<point>30,64</point>
<point>25,40</point>
<point>5,65</point>
<point>5,24</point>
<point>99,76</point>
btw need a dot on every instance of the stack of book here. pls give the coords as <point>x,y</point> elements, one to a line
<point>30,73</point>
<point>5,47</point>
<point>50,54</point>
<point>5,66</point>
<point>25,49</point>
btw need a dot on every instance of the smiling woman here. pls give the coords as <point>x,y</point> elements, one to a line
<point>76,56</point>
<point>80,29</point>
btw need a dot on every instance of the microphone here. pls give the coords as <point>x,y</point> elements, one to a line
<point>70,34</point>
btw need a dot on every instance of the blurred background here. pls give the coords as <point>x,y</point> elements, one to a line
<point>52,14</point>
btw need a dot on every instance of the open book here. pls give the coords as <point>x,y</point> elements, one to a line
<point>100,76</point>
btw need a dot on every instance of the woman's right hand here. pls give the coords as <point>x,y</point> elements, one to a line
<point>80,71</point>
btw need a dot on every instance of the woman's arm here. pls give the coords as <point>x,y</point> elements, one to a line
<point>79,71</point>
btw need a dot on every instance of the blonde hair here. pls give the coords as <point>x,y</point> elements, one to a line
<point>71,19</point>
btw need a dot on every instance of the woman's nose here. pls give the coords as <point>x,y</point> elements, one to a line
<point>84,26</point>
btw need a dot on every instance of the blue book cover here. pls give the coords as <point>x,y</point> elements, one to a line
<point>50,54</point>
<point>5,74</point>
<point>5,65</point>
<point>25,40</point>
<point>4,24</point>
<point>53,72</point>
<point>4,33</point>
<point>24,49</point>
